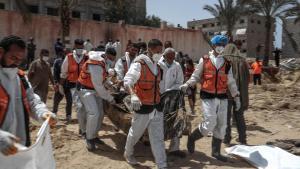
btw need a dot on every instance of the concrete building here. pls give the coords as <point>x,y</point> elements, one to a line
<point>84,9</point>
<point>293,29</point>
<point>249,29</point>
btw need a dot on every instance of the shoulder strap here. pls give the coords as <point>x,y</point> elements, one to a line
<point>23,79</point>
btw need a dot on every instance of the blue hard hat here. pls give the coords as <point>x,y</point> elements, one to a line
<point>219,40</point>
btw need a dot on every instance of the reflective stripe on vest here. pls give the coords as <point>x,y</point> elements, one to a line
<point>147,87</point>
<point>214,81</point>
<point>5,99</point>
<point>74,68</point>
<point>85,76</point>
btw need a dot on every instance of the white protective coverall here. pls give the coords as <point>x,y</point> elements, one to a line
<point>76,101</point>
<point>14,122</point>
<point>172,79</point>
<point>140,122</point>
<point>119,67</point>
<point>93,99</point>
<point>214,110</point>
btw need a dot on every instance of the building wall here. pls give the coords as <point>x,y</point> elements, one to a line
<point>45,30</point>
<point>87,8</point>
<point>255,34</point>
<point>287,50</point>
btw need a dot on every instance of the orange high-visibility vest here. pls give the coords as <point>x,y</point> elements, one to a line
<point>214,81</point>
<point>85,76</point>
<point>147,87</point>
<point>74,68</point>
<point>257,67</point>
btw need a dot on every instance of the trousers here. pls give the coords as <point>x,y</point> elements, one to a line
<point>91,119</point>
<point>154,123</point>
<point>214,117</point>
<point>240,123</point>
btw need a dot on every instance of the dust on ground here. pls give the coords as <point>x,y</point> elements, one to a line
<point>273,114</point>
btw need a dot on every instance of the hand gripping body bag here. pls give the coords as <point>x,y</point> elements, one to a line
<point>37,156</point>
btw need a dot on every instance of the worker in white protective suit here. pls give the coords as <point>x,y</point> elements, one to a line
<point>172,79</point>
<point>18,102</point>
<point>92,93</point>
<point>123,64</point>
<point>142,82</point>
<point>215,75</point>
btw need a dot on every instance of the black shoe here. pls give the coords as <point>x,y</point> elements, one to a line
<point>91,145</point>
<point>216,150</point>
<point>177,153</point>
<point>196,135</point>
<point>98,141</point>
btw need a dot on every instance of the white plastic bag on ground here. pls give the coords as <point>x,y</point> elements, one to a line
<point>266,157</point>
<point>37,156</point>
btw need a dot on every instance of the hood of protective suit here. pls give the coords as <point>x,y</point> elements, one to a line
<point>11,73</point>
<point>97,56</point>
<point>148,61</point>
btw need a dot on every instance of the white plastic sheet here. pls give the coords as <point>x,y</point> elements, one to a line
<point>38,156</point>
<point>266,157</point>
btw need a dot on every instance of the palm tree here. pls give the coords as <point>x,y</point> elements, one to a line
<point>270,9</point>
<point>227,12</point>
<point>21,6</point>
<point>294,11</point>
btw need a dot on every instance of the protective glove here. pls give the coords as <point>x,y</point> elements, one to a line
<point>237,101</point>
<point>52,118</point>
<point>184,87</point>
<point>7,141</point>
<point>135,103</point>
<point>111,72</point>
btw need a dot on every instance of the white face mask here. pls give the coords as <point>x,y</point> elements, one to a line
<point>156,57</point>
<point>79,52</point>
<point>11,73</point>
<point>46,58</point>
<point>109,64</point>
<point>219,49</point>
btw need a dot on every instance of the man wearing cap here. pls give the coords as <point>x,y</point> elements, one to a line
<point>214,73</point>
<point>70,70</point>
<point>18,102</point>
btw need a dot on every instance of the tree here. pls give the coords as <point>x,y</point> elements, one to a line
<point>270,9</point>
<point>22,7</point>
<point>116,10</point>
<point>294,11</point>
<point>152,21</point>
<point>65,8</point>
<point>227,12</point>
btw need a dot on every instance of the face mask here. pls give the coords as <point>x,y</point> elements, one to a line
<point>109,64</point>
<point>45,58</point>
<point>79,52</point>
<point>10,72</point>
<point>219,49</point>
<point>156,57</point>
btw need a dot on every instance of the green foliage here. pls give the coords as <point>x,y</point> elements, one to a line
<point>152,21</point>
<point>227,12</point>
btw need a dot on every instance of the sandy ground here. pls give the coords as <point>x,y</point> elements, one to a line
<point>273,114</point>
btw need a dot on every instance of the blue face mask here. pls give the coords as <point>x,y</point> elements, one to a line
<point>109,64</point>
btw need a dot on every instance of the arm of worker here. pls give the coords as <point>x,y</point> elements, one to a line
<point>38,108</point>
<point>132,76</point>
<point>231,83</point>
<point>50,75</point>
<point>120,70</point>
<point>31,71</point>
<point>64,70</point>
<point>97,81</point>
<point>196,76</point>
